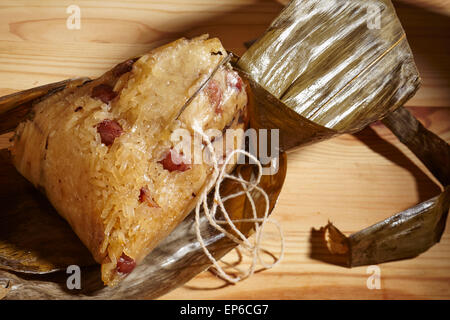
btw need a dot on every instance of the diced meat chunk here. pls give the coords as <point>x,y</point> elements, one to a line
<point>215,95</point>
<point>234,80</point>
<point>125,264</point>
<point>173,161</point>
<point>109,130</point>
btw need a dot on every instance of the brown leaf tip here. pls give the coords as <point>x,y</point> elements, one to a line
<point>335,240</point>
<point>103,92</point>
<point>123,67</point>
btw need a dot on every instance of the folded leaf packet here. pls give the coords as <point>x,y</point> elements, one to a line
<point>329,67</point>
<point>340,64</point>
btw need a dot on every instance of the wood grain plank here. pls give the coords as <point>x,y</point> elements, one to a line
<point>37,48</point>
<point>429,37</point>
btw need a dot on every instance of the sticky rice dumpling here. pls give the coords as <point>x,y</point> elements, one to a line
<point>102,152</point>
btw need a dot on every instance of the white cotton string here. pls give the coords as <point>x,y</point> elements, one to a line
<point>252,250</point>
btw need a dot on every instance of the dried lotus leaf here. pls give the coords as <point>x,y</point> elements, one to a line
<point>175,261</point>
<point>323,60</point>
<point>33,238</point>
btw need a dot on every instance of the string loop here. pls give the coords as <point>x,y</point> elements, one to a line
<point>251,249</point>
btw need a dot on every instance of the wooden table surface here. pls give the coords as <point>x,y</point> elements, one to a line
<point>353,181</point>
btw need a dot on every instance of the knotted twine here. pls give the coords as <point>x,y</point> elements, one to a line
<point>251,249</point>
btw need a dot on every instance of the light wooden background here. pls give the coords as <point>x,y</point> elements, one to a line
<point>353,181</point>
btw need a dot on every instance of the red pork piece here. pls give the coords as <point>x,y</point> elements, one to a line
<point>109,130</point>
<point>125,264</point>
<point>234,81</point>
<point>215,95</point>
<point>173,161</point>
